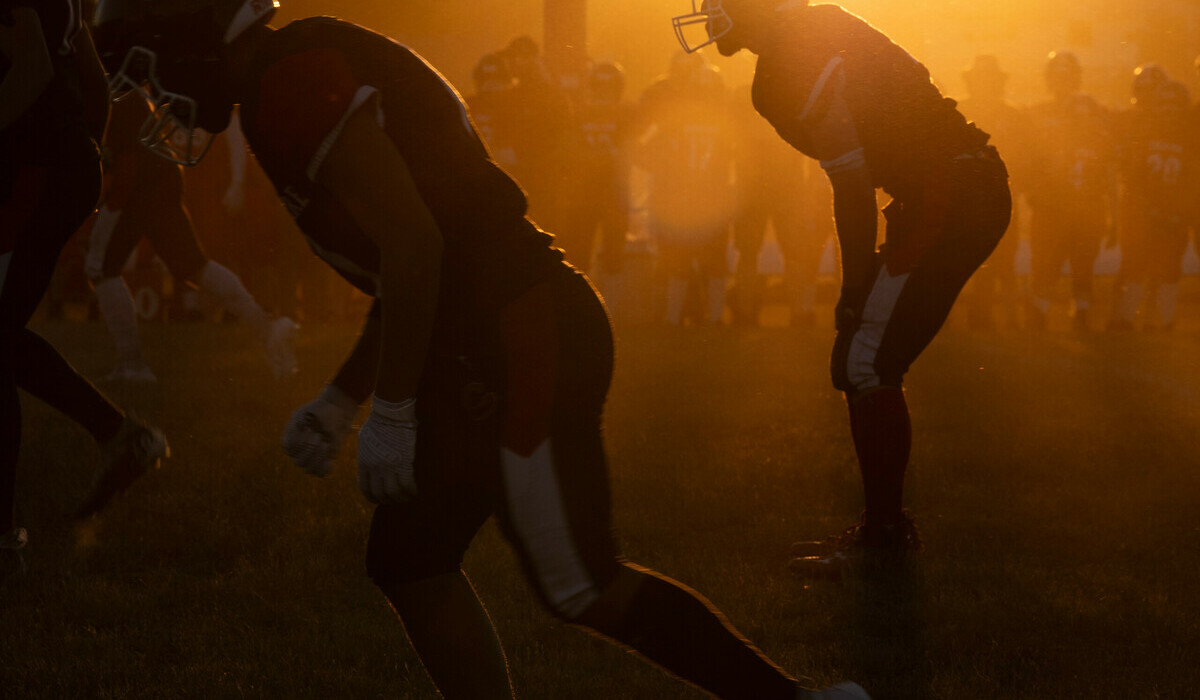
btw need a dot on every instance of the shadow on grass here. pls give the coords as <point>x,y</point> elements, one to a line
<point>885,613</point>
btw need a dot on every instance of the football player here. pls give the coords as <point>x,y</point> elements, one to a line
<point>1158,164</point>
<point>684,135</point>
<point>841,92</point>
<point>53,110</point>
<point>144,198</point>
<point>598,198</point>
<point>1072,189</point>
<point>487,358</point>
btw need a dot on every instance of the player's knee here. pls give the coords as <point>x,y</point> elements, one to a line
<point>398,565</point>
<point>401,549</point>
<point>609,604</point>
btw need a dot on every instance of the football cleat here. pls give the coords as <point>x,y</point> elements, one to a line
<point>829,557</point>
<point>12,563</point>
<point>280,346</point>
<point>136,449</point>
<point>846,690</point>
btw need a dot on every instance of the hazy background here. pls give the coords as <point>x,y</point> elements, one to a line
<point>1110,36</point>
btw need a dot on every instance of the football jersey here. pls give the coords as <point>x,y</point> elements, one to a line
<point>312,75</point>
<point>1158,162</point>
<point>60,106</point>
<point>1073,164</point>
<point>904,123</point>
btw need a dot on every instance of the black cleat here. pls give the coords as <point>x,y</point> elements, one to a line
<point>854,547</point>
<point>136,449</point>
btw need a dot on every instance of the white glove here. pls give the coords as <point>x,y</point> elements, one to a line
<point>317,429</point>
<point>387,443</point>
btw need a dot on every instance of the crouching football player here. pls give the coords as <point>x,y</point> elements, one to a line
<point>488,358</point>
<point>841,92</point>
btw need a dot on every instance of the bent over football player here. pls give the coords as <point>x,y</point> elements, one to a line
<point>488,358</point>
<point>53,110</point>
<point>841,92</point>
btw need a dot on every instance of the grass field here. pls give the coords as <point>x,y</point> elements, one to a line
<point>1054,476</point>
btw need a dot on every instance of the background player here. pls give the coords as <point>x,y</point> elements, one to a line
<point>1072,189</point>
<point>818,81</point>
<point>480,335</point>
<point>144,198</point>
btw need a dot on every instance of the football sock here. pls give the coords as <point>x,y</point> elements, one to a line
<point>676,628</point>
<point>116,304</point>
<point>879,424</point>
<point>44,372</point>
<point>219,281</point>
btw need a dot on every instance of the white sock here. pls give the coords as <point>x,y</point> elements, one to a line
<point>219,281</point>
<point>116,304</point>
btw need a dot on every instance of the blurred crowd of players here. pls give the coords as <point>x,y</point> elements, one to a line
<point>687,209</point>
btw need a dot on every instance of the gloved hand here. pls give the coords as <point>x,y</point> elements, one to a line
<point>387,443</point>
<point>317,429</point>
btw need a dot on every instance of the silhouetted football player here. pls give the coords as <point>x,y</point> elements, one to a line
<point>1072,189</point>
<point>53,111</point>
<point>144,198</point>
<point>1159,189</point>
<point>488,358</point>
<point>841,92</point>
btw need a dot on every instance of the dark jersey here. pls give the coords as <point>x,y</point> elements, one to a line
<point>1158,162</point>
<point>905,125</point>
<point>312,75</point>
<point>1073,165</point>
<point>61,104</point>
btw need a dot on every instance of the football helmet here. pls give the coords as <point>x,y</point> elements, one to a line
<point>713,20</point>
<point>170,52</point>
<point>1147,79</point>
<point>1064,75</point>
<point>606,82</point>
<point>492,74</point>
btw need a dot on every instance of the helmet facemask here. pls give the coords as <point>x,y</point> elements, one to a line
<point>170,131</point>
<point>706,23</point>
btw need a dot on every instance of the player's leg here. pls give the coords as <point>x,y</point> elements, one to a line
<point>557,514</point>
<point>1047,255</point>
<point>175,242</point>
<point>114,235</point>
<point>904,311</point>
<point>415,550</point>
<point>746,295</point>
<point>414,555</point>
<point>40,208</point>
<point>1085,248</point>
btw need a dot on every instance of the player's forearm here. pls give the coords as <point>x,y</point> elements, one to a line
<point>409,283</point>
<point>356,377</point>
<point>30,69</point>
<point>855,217</point>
